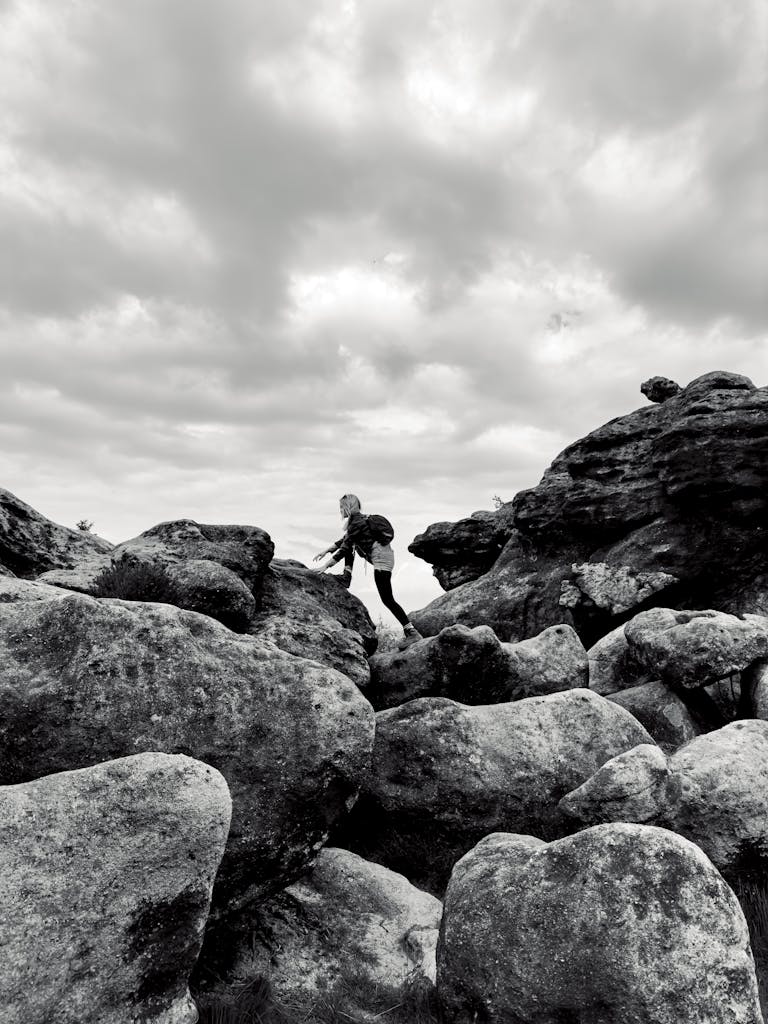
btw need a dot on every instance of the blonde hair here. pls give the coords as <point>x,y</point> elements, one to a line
<point>349,503</point>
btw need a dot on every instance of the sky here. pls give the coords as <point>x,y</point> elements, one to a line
<point>255,255</point>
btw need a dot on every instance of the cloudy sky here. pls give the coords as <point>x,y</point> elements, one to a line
<point>257,254</point>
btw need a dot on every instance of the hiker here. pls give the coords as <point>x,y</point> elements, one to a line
<point>370,536</point>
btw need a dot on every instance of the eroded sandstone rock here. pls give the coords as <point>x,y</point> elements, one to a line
<point>209,588</point>
<point>619,924</point>
<point>105,883</point>
<point>662,712</point>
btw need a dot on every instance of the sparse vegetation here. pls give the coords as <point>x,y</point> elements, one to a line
<point>388,636</point>
<point>84,525</point>
<point>135,581</point>
<point>497,501</point>
<point>256,1003</point>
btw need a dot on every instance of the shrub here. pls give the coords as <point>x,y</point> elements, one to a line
<point>388,637</point>
<point>135,581</point>
<point>85,525</point>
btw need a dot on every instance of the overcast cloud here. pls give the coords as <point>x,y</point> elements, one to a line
<point>255,255</point>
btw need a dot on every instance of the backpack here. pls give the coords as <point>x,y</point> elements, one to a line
<point>381,529</point>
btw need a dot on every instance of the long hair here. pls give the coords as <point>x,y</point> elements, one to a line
<point>349,503</point>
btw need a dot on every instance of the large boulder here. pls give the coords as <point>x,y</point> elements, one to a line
<point>663,713</point>
<point>713,791</point>
<point>83,681</point>
<point>105,883</point>
<point>13,589</point>
<point>460,552</point>
<point>679,488</point>
<point>444,775</point>
<point>245,550</point>
<point>30,544</point>
<point>619,924</point>
<point>312,615</point>
<point>691,649</point>
<point>203,586</point>
<point>612,588</point>
<point>472,666</point>
<point>346,917</point>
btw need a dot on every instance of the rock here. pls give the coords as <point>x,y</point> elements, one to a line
<point>6,572</point>
<point>472,666</point>
<point>612,588</point>
<point>619,924</point>
<point>661,712</point>
<point>460,552</point>
<point>13,589</point>
<point>83,680</point>
<point>659,389</point>
<point>30,544</point>
<point>311,615</point>
<point>82,580</point>
<point>211,589</point>
<point>679,488</point>
<point>245,550</point>
<point>346,917</point>
<point>715,793</point>
<point>105,883</point>
<point>757,689</point>
<point>468,771</point>
<point>695,648</point>
<point>612,666</point>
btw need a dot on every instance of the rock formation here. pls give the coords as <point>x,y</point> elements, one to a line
<point>678,488</point>
<point>83,681</point>
<point>620,924</point>
<point>473,667</point>
<point>444,775</point>
<point>105,883</point>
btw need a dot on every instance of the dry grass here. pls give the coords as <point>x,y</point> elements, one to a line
<point>135,581</point>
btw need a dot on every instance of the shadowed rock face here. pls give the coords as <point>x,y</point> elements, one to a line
<point>83,681</point>
<point>30,544</point>
<point>620,924</point>
<point>679,488</point>
<point>105,883</point>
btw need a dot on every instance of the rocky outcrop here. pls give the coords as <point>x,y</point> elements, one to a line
<point>203,586</point>
<point>312,615</point>
<point>678,488</point>
<point>245,550</point>
<point>105,883</point>
<point>462,551</point>
<point>472,666</point>
<point>468,771</point>
<point>620,924</point>
<point>613,589</point>
<point>713,791</point>
<point>83,680</point>
<point>30,544</point>
<point>13,589</point>
<point>659,389</point>
<point>662,712</point>
<point>348,930</point>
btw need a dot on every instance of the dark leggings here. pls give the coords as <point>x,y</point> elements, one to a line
<point>383,581</point>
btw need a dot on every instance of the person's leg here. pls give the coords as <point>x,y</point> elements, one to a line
<point>383,581</point>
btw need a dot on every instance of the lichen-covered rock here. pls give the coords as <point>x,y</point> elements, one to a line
<point>472,666</point>
<point>83,680</point>
<point>245,550</point>
<point>619,924</point>
<point>312,615</point>
<point>659,389</point>
<point>82,580</point>
<point>714,792</point>
<point>611,665</point>
<point>345,917</point>
<point>13,589</point>
<point>105,883</point>
<point>612,588</point>
<point>30,544</point>
<point>692,649</point>
<point>212,589</point>
<point>661,711</point>
<point>444,775</point>
<point>679,488</point>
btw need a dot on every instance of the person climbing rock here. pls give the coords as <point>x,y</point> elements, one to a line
<point>370,536</point>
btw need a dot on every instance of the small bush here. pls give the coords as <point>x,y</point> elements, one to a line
<point>388,637</point>
<point>84,525</point>
<point>135,581</point>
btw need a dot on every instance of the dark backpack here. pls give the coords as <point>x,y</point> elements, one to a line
<point>381,529</point>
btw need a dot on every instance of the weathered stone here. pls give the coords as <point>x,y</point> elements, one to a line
<point>613,588</point>
<point>619,924</point>
<point>211,589</point>
<point>679,488</point>
<point>311,615</point>
<point>345,917</point>
<point>659,389</point>
<point>13,589</point>
<point>245,550</point>
<point>661,711</point>
<point>695,648</point>
<point>715,794</point>
<point>463,551</point>
<point>472,666</point>
<point>82,580</point>
<point>468,771</point>
<point>83,680</point>
<point>31,544</point>
<point>6,572</point>
<point>105,883</point>
<point>611,665</point>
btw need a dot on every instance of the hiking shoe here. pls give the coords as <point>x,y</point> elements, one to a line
<point>411,635</point>
<point>345,579</point>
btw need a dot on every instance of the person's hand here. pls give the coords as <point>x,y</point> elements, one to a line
<point>321,554</point>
